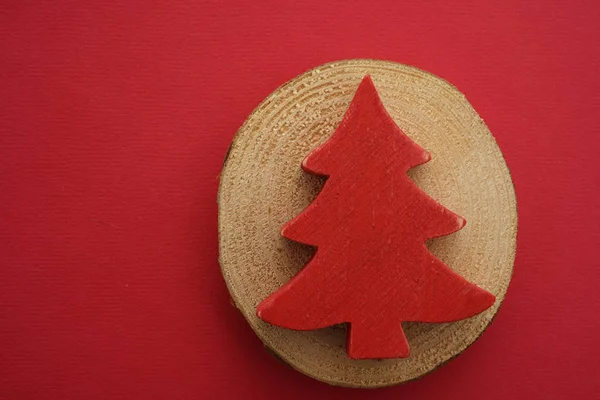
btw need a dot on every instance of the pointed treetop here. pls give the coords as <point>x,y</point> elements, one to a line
<point>367,122</point>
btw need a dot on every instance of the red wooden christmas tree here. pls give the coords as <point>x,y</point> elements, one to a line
<point>369,223</point>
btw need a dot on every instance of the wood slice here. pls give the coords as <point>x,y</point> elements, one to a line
<point>263,187</point>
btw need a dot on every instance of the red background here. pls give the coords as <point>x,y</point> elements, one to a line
<point>115,119</point>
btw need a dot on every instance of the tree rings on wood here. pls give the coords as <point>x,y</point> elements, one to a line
<point>262,187</point>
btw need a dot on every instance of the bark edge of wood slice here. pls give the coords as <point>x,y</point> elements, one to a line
<point>262,187</point>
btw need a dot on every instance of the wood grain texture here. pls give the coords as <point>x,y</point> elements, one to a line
<point>370,223</point>
<point>114,123</point>
<point>467,174</point>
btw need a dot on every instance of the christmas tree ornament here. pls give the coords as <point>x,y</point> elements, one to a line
<point>342,210</point>
<point>370,222</point>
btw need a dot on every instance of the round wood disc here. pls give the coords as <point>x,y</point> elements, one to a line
<point>262,187</point>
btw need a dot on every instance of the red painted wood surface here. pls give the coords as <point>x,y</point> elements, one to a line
<point>114,121</point>
<point>369,224</point>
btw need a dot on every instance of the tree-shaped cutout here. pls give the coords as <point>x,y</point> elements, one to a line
<point>369,223</point>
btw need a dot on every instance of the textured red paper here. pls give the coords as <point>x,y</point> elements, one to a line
<point>114,121</point>
<point>369,204</point>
